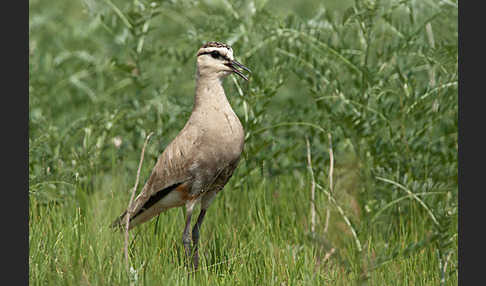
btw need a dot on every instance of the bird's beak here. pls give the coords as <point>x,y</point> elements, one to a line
<point>233,64</point>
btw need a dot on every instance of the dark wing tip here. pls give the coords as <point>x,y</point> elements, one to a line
<point>117,224</point>
<point>120,222</point>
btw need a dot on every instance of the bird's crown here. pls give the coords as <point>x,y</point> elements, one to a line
<point>223,49</point>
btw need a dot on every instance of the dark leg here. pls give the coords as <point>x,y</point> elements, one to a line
<point>186,235</point>
<point>195,238</point>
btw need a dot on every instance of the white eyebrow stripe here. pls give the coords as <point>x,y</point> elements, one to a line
<point>228,54</point>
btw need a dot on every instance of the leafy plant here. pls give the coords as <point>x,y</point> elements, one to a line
<point>379,76</point>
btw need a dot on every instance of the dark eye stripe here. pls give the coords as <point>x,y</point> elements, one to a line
<point>214,54</point>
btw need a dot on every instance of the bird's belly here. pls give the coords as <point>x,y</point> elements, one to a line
<point>172,199</point>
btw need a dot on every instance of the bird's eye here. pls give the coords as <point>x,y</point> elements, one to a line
<point>215,55</point>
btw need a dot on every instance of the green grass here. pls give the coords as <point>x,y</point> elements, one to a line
<point>380,77</point>
<point>252,235</point>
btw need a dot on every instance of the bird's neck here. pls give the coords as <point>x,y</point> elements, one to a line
<point>211,107</point>
<point>210,93</point>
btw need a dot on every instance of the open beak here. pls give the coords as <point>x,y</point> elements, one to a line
<point>233,66</point>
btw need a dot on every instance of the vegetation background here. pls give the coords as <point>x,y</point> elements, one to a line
<point>372,83</point>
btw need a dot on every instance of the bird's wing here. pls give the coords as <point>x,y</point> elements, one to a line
<point>165,177</point>
<point>170,171</point>
<point>172,168</point>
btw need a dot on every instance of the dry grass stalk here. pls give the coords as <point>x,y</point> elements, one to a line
<point>430,37</point>
<point>331,198</point>
<point>331,185</point>
<point>129,208</point>
<point>313,188</point>
<point>343,215</point>
<point>328,254</point>
<point>444,269</point>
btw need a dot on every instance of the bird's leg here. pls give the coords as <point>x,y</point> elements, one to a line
<point>195,238</point>
<point>186,235</point>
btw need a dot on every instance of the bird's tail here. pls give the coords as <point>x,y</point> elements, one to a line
<point>120,222</point>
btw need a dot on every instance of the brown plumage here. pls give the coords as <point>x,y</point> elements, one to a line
<point>201,159</point>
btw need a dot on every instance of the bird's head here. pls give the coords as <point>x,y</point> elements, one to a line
<point>216,59</point>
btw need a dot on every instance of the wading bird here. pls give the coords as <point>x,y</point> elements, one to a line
<point>198,163</point>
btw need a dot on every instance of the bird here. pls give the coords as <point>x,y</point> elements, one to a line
<point>200,160</point>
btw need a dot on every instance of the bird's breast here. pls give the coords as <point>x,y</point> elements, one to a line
<point>224,134</point>
<point>220,134</point>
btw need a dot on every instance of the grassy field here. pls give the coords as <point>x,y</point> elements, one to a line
<point>372,84</point>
